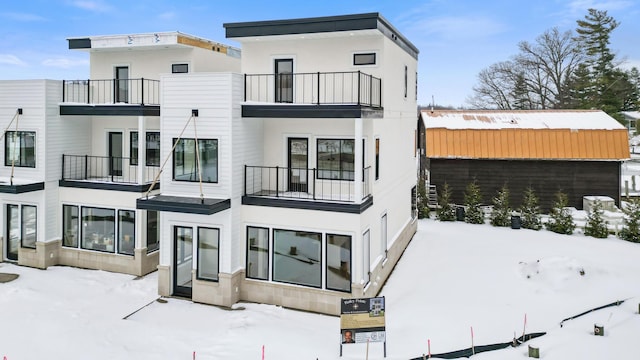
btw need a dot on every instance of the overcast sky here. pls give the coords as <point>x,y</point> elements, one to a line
<point>456,39</point>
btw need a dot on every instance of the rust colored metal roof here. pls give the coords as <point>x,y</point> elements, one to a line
<point>541,144</point>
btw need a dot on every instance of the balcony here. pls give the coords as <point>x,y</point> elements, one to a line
<point>312,95</point>
<point>107,173</point>
<point>306,189</point>
<point>124,97</point>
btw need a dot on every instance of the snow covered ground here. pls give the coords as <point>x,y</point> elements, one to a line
<point>453,276</point>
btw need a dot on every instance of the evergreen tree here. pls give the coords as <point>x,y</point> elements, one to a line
<point>596,226</point>
<point>631,229</point>
<point>445,211</point>
<point>530,211</point>
<point>501,214</point>
<point>422,201</point>
<point>472,201</point>
<point>560,219</point>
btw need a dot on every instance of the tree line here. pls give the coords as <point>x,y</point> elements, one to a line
<point>562,70</point>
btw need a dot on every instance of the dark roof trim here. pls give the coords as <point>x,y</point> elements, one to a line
<point>84,43</point>
<point>353,22</point>
<point>185,205</point>
<point>311,111</point>
<point>81,184</point>
<point>309,205</point>
<point>110,110</point>
<point>20,189</point>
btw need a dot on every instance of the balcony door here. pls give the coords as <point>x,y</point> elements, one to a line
<point>284,80</point>
<point>298,163</point>
<point>122,84</point>
<point>115,153</point>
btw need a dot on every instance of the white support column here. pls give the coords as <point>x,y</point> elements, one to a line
<point>142,149</point>
<point>358,161</point>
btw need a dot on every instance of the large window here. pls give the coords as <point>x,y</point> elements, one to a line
<point>29,226</point>
<point>339,262</point>
<point>153,231</point>
<point>70,220</point>
<point>152,154</point>
<point>98,229</point>
<point>208,253</point>
<point>257,253</point>
<point>335,159</point>
<point>126,231</point>
<point>185,165</point>
<point>297,257</point>
<point>20,148</point>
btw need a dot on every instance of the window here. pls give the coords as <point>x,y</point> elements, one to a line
<point>98,229</point>
<point>414,202</point>
<point>153,231</point>
<point>257,253</point>
<point>406,80</point>
<point>20,149</point>
<point>185,166</point>
<point>29,226</point>
<point>416,85</point>
<point>70,218</point>
<point>179,68</point>
<point>208,254</point>
<point>366,256</point>
<point>126,231</point>
<point>297,257</point>
<point>377,159</point>
<point>383,236</point>
<point>335,159</point>
<point>364,59</point>
<point>339,262</point>
<point>13,232</point>
<point>152,154</point>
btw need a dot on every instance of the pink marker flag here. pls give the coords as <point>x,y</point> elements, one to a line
<point>429,347</point>
<point>194,355</point>
<point>262,352</point>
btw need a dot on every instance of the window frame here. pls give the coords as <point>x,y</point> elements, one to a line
<point>326,265</point>
<point>82,235</point>
<point>340,171</point>
<point>406,81</point>
<point>119,229</point>
<point>377,158</point>
<point>366,257</point>
<point>133,150</point>
<point>23,228</point>
<point>75,233</point>
<point>176,67</point>
<point>157,231</point>
<point>320,259</point>
<point>199,274</point>
<point>268,257</point>
<point>23,158</point>
<point>371,62</point>
<point>201,143</point>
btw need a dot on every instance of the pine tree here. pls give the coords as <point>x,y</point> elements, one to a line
<point>501,214</point>
<point>445,211</point>
<point>472,201</point>
<point>631,229</point>
<point>423,209</point>
<point>596,226</point>
<point>530,210</point>
<point>560,219</point>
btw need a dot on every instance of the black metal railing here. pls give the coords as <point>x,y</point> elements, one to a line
<point>105,169</point>
<point>302,183</point>
<point>112,91</point>
<point>354,88</point>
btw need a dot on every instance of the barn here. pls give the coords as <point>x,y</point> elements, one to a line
<point>578,152</point>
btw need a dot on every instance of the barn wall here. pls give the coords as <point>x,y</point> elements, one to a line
<point>574,178</point>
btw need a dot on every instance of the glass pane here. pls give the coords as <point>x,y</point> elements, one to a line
<point>20,149</point>
<point>29,234</point>
<point>183,256</point>
<point>258,253</point>
<point>209,160</point>
<point>126,231</point>
<point>339,262</point>
<point>297,258</point>
<point>328,159</point>
<point>366,253</point>
<point>98,229</point>
<point>346,159</point>
<point>208,241</point>
<point>153,231</point>
<point>13,232</point>
<point>185,161</point>
<point>134,148</point>
<point>70,217</point>
<point>153,149</point>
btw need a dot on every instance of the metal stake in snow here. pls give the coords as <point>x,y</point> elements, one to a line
<point>367,353</point>
<point>194,355</point>
<point>262,352</point>
<point>429,348</point>
<point>473,349</point>
<point>524,327</point>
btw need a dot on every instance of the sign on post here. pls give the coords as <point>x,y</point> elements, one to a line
<point>362,321</point>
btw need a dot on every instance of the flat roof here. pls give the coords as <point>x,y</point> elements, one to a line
<point>316,25</point>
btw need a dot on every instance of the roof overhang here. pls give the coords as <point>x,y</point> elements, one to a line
<point>183,204</point>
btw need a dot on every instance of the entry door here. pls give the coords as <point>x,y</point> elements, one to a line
<point>298,163</point>
<point>284,80</point>
<point>115,153</point>
<point>122,84</point>
<point>182,260</point>
<point>13,232</point>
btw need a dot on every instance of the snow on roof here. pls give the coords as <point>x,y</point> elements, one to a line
<point>519,119</point>
<point>632,114</point>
